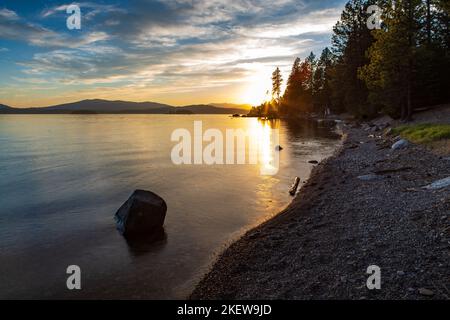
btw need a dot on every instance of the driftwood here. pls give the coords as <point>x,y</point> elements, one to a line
<point>384,171</point>
<point>294,186</point>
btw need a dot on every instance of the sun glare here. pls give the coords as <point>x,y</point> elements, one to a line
<point>257,90</point>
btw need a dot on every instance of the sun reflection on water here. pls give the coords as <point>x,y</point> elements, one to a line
<point>264,135</point>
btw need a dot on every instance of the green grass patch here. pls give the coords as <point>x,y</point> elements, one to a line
<point>424,133</point>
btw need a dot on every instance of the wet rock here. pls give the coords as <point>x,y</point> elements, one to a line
<point>313,161</point>
<point>439,184</point>
<point>400,144</point>
<point>370,177</point>
<point>142,214</point>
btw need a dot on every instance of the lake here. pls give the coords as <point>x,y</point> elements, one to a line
<point>63,177</point>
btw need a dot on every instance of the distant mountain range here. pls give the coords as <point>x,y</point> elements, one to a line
<point>98,106</point>
<point>3,107</point>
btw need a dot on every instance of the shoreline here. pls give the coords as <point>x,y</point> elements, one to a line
<point>320,246</point>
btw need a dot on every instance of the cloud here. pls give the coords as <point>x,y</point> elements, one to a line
<point>19,29</point>
<point>8,14</point>
<point>316,22</point>
<point>93,9</point>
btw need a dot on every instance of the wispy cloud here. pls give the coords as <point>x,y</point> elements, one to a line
<point>93,9</point>
<point>8,14</point>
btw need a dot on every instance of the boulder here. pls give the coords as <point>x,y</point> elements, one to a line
<point>142,214</point>
<point>400,144</point>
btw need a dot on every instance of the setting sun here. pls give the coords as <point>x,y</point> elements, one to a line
<point>258,89</point>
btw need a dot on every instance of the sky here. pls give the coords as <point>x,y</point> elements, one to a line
<point>177,52</point>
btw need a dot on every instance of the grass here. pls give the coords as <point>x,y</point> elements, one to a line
<point>424,133</point>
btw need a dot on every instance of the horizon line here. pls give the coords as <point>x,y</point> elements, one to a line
<point>213,104</point>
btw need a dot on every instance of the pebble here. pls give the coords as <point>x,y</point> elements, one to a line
<point>426,292</point>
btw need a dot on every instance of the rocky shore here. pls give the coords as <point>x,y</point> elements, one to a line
<point>364,206</point>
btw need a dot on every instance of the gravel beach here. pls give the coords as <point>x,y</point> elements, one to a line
<point>364,206</point>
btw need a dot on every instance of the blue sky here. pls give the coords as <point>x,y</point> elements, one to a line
<point>171,51</point>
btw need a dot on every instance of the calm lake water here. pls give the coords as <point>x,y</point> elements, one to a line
<point>63,177</point>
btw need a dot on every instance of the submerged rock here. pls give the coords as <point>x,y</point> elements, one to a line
<point>400,144</point>
<point>142,214</point>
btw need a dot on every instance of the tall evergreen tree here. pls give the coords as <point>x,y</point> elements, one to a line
<point>293,87</point>
<point>351,39</point>
<point>309,85</point>
<point>276,84</point>
<point>298,95</point>
<point>322,75</point>
<point>392,70</point>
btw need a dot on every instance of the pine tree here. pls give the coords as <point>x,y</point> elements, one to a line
<point>276,84</point>
<point>298,95</point>
<point>309,83</point>
<point>273,107</point>
<point>293,87</point>
<point>391,73</point>
<point>351,40</point>
<point>322,75</point>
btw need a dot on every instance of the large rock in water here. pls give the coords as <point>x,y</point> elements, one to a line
<point>141,215</point>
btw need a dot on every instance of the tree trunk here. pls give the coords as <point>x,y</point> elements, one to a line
<point>403,112</point>
<point>410,64</point>
<point>408,104</point>
<point>428,22</point>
